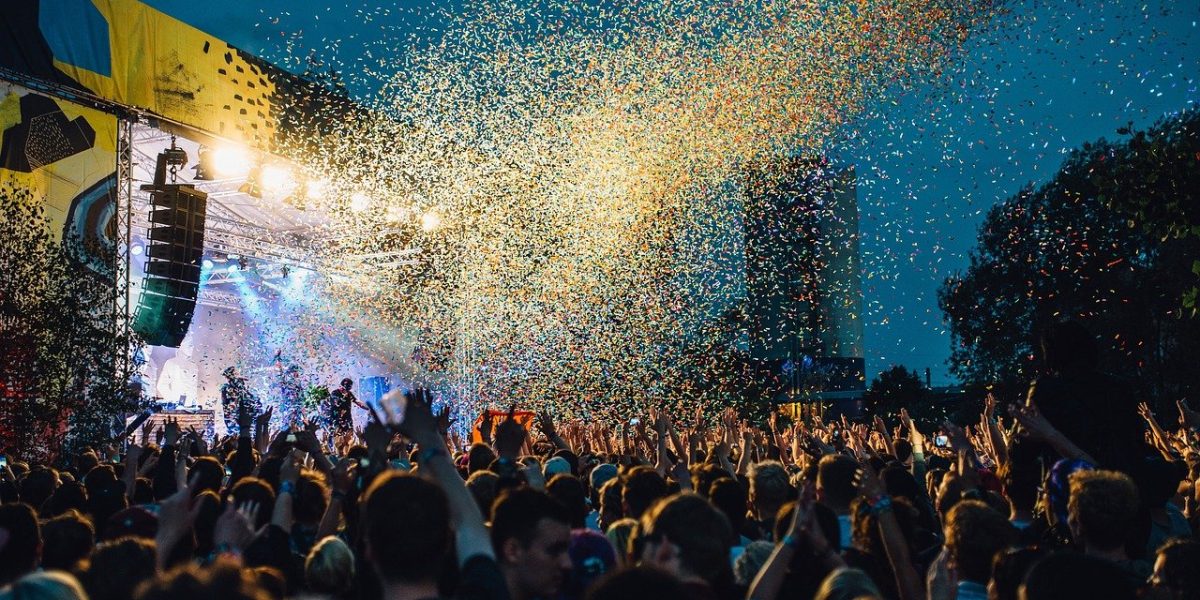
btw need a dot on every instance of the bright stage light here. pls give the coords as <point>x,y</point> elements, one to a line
<point>359,202</point>
<point>316,189</point>
<point>395,214</point>
<point>136,249</point>
<point>276,179</point>
<point>207,265</point>
<point>232,268</point>
<point>430,221</point>
<point>231,162</point>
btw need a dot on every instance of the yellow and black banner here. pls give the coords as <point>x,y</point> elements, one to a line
<point>66,155</point>
<point>132,55</point>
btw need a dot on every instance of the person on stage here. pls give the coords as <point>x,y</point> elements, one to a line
<point>337,412</point>
<point>236,397</point>
<point>291,393</point>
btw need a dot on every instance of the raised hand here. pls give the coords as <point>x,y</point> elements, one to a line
<point>545,423</point>
<point>1187,416</point>
<point>419,423</point>
<point>510,435</point>
<point>444,421</point>
<point>868,482</point>
<point>1145,412</point>
<point>989,406</point>
<point>486,426</point>
<point>1033,423</point>
<point>235,526</point>
<point>176,515</point>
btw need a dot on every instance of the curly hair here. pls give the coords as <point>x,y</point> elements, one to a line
<point>1102,507</point>
<point>975,532</point>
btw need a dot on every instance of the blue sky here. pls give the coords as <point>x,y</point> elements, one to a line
<point>1051,76</point>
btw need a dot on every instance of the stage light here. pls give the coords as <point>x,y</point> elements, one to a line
<point>359,202</point>
<point>232,268</point>
<point>395,214</point>
<point>207,265</point>
<point>230,162</point>
<point>430,221</point>
<point>316,189</point>
<point>136,249</point>
<point>276,179</point>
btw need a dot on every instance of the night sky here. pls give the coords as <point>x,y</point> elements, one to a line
<point>1045,79</point>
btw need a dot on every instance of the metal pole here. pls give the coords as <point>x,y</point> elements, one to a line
<point>124,217</point>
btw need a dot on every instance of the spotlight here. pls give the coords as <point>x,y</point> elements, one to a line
<point>395,214</point>
<point>136,249</point>
<point>229,162</point>
<point>359,202</point>
<point>232,268</point>
<point>430,221</point>
<point>316,189</point>
<point>207,265</point>
<point>276,179</point>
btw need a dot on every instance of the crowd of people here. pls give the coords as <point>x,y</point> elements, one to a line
<point>1078,492</point>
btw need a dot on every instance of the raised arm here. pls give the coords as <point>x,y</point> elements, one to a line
<point>420,426</point>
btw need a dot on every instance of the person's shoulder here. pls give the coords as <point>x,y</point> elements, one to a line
<point>481,579</point>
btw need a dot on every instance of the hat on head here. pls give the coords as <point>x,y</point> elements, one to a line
<point>601,474</point>
<point>556,465</point>
<point>133,521</point>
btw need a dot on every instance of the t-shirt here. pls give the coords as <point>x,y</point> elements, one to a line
<point>481,579</point>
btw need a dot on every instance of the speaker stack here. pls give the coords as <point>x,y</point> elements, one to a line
<point>174,247</point>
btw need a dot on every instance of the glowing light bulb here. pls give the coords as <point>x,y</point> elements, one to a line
<point>276,179</point>
<point>430,221</point>
<point>231,162</point>
<point>359,202</point>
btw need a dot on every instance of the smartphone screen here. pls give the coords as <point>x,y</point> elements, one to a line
<point>941,441</point>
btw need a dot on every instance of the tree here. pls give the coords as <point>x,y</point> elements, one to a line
<point>1154,179</point>
<point>60,339</point>
<point>1060,251</point>
<point>893,389</point>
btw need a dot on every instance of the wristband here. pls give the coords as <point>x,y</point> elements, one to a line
<point>287,487</point>
<point>880,505</point>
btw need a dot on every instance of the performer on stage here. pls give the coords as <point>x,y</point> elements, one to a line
<point>337,410</point>
<point>236,397</point>
<point>291,394</point>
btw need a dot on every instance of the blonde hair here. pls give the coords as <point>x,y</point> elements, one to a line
<point>46,585</point>
<point>847,584</point>
<point>329,568</point>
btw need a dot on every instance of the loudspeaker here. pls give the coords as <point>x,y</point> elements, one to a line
<point>174,247</point>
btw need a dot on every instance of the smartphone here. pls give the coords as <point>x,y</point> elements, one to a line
<point>3,462</point>
<point>291,438</point>
<point>635,421</point>
<point>941,441</point>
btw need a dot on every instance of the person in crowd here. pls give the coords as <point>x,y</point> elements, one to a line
<point>975,533</point>
<point>1101,513</point>
<point>679,507</point>
<point>532,536</point>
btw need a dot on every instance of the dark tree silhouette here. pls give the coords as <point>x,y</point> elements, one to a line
<point>59,338</point>
<point>893,389</point>
<point>1061,251</point>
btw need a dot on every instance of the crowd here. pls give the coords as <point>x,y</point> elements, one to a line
<point>1078,492</point>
